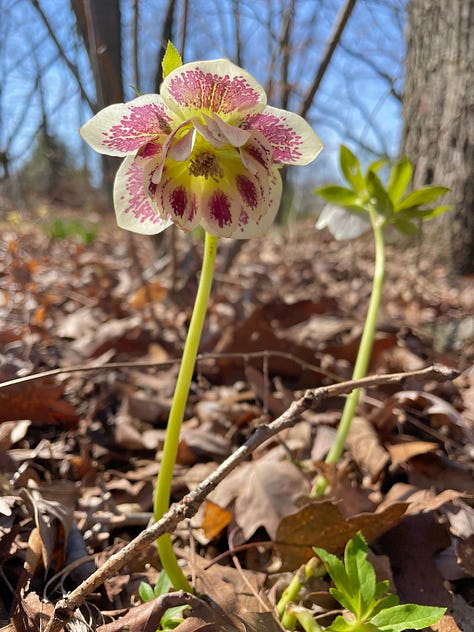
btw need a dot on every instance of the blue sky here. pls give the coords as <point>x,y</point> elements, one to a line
<point>354,105</point>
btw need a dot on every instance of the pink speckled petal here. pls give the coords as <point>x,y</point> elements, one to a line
<point>218,133</point>
<point>132,206</point>
<point>176,197</point>
<point>239,204</point>
<point>293,140</point>
<point>216,86</point>
<point>260,188</point>
<point>122,128</point>
<point>234,135</point>
<point>257,154</point>
<point>181,148</point>
<point>257,224</point>
<point>210,131</point>
<point>219,209</point>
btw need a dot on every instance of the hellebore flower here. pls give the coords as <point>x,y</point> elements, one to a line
<point>206,150</point>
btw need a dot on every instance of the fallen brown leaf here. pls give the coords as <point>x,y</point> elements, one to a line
<point>322,524</point>
<point>264,491</point>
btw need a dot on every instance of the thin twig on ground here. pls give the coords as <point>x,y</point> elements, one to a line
<point>189,505</point>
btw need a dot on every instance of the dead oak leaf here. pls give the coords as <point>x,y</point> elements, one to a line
<point>322,524</point>
<point>265,491</point>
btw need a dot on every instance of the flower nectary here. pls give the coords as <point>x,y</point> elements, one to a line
<point>206,151</point>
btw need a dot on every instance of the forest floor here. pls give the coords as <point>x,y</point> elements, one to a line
<point>80,450</point>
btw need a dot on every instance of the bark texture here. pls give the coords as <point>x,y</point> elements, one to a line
<point>99,22</point>
<point>438,108</point>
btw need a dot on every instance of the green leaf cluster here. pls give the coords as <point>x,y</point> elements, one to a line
<point>173,616</point>
<point>369,200</point>
<point>372,608</point>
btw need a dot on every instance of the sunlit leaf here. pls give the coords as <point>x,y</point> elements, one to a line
<point>383,204</point>
<point>400,178</point>
<point>338,195</point>
<point>361,574</point>
<point>173,617</point>
<point>350,167</point>
<point>163,584</point>
<point>426,213</point>
<point>407,616</point>
<point>145,591</point>
<point>171,60</point>
<point>377,164</point>
<point>425,195</point>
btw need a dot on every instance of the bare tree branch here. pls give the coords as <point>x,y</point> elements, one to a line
<point>72,67</point>
<point>373,66</point>
<point>331,46</point>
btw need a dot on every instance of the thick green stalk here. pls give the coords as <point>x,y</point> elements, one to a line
<point>183,384</point>
<point>290,594</point>
<point>306,620</point>
<point>363,355</point>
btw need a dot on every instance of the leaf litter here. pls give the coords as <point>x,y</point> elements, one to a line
<point>79,450</point>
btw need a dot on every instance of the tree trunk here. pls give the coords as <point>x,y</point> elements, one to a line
<point>99,22</point>
<point>438,110</point>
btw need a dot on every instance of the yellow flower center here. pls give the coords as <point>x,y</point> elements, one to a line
<point>205,163</point>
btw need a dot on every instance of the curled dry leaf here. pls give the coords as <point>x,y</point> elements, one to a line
<point>404,451</point>
<point>366,449</point>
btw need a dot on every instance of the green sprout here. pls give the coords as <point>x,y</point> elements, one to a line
<point>351,211</point>
<point>172,616</point>
<point>371,608</point>
<point>368,606</point>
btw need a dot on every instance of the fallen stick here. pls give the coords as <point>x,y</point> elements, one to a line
<point>189,505</point>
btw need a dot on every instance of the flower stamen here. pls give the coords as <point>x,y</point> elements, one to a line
<point>205,164</point>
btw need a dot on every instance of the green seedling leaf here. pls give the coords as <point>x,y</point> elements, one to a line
<point>425,214</point>
<point>361,575</point>
<point>350,167</point>
<point>339,195</point>
<point>344,590</point>
<point>173,617</point>
<point>146,592</point>
<point>377,164</point>
<point>386,602</point>
<point>171,60</point>
<point>380,198</point>
<point>407,616</point>
<point>163,584</point>
<point>422,196</point>
<point>400,178</point>
<point>335,570</point>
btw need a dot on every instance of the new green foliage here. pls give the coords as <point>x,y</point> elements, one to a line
<point>371,608</point>
<point>350,212</point>
<point>172,616</point>
<point>392,204</point>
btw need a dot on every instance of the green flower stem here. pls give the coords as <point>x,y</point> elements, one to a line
<point>290,594</point>
<point>170,448</point>
<point>306,620</point>
<point>363,356</point>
